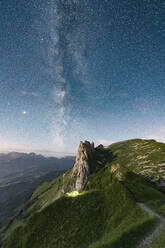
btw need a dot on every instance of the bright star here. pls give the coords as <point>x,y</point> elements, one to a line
<point>24,112</point>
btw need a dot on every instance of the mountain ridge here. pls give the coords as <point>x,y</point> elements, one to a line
<point>103,208</point>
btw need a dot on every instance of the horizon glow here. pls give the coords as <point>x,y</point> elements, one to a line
<point>80,70</point>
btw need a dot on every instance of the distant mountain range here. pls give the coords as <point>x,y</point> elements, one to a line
<point>15,162</point>
<point>20,173</point>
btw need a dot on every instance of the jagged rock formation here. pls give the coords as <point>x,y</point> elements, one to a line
<point>81,167</point>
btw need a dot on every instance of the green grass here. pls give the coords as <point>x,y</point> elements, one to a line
<point>136,154</point>
<point>127,235</point>
<point>101,217</point>
<point>159,241</point>
<point>64,223</point>
<point>158,205</point>
<point>48,192</point>
<point>105,214</point>
<point>126,154</point>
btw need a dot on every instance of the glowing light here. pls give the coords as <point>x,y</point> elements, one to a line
<point>24,112</point>
<point>72,194</point>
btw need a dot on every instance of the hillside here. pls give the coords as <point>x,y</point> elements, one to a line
<point>96,203</point>
<point>20,174</point>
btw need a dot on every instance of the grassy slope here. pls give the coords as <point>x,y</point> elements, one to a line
<point>48,192</point>
<point>159,241</point>
<point>128,153</point>
<point>14,194</point>
<point>106,215</point>
<point>145,157</point>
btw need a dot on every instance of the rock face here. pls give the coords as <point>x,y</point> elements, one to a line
<point>81,167</point>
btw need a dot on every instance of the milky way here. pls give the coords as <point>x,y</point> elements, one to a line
<point>74,70</point>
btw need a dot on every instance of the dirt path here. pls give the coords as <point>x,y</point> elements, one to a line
<point>158,228</point>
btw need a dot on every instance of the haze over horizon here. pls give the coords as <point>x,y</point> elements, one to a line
<point>76,70</point>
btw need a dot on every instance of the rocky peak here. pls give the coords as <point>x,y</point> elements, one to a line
<point>81,167</point>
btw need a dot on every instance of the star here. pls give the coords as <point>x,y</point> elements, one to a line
<point>24,112</point>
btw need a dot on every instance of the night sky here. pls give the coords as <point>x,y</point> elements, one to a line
<point>73,70</point>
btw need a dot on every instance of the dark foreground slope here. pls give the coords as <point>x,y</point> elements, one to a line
<point>20,174</point>
<point>105,213</point>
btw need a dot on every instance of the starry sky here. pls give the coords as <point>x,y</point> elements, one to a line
<point>73,70</point>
